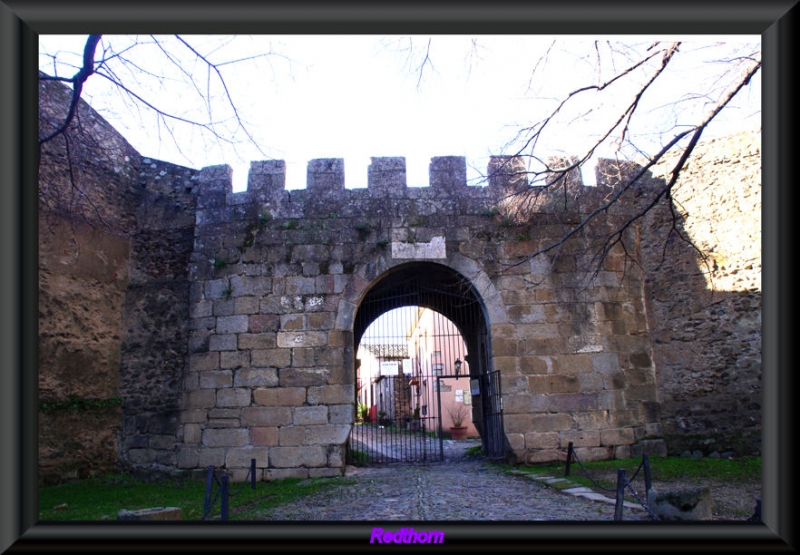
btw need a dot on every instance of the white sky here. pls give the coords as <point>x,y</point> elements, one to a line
<point>354,97</point>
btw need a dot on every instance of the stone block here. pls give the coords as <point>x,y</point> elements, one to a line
<point>277,358</point>
<point>204,361</point>
<point>588,454</point>
<point>264,436</point>
<point>280,396</point>
<point>291,436</point>
<point>568,402</point>
<point>187,457</point>
<point>579,438</point>
<point>330,394</point>
<point>516,441</point>
<point>234,359</point>
<point>233,324</point>
<point>679,504</point>
<point>155,513</point>
<point>225,437</point>
<point>545,456</point>
<point>236,397</point>
<point>553,384</point>
<point>292,457</point>
<point>550,422</point>
<point>294,339</point>
<point>547,440</point>
<point>341,414</point>
<point>330,472</point>
<point>247,305</point>
<point>211,457</point>
<point>200,399</point>
<point>191,433</point>
<point>216,379</point>
<point>302,377</point>
<point>524,403</point>
<point>240,457</point>
<point>266,416</point>
<point>302,357</point>
<point>328,434</point>
<point>302,416</point>
<point>259,341</point>
<point>255,377</point>
<point>617,436</point>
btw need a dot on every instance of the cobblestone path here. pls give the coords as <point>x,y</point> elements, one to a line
<point>457,489</point>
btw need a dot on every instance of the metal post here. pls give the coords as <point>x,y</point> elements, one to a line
<point>252,473</point>
<point>209,484</point>
<point>620,494</point>
<point>224,499</point>
<point>647,481</point>
<point>569,458</point>
<point>439,414</point>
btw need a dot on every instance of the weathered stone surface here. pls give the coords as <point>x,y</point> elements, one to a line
<point>155,513</point>
<point>227,320</point>
<point>681,504</point>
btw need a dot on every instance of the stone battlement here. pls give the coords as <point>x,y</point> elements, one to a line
<point>325,184</point>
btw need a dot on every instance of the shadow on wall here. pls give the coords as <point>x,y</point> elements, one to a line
<point>704,303</point>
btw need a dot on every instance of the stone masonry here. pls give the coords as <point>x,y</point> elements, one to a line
<point>236,315</point>
<point>277,277</point>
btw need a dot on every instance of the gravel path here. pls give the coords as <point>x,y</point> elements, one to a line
<point>460,488</point>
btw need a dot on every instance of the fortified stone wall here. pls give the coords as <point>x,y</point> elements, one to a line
<point>115,233</point>
<point>704,304</point>
<point>277,277</point>
<point>85,218</point>
<point>208,327</point>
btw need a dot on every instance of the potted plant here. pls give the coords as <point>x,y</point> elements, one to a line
<point>458,414</point>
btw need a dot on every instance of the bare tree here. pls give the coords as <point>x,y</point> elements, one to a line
<point>143,72</point>
<point>632,110</point>
<point>636,74</point>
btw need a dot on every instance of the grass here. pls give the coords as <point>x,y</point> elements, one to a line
<point>665,469</point>
<point>102,497</point>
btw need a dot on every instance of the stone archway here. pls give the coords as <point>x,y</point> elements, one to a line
<point>455,299</point>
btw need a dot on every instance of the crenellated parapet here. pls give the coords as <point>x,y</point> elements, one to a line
<point>325,192</point>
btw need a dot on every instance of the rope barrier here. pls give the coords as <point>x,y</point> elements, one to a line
<point>222,490</point>
<point>636,496</point>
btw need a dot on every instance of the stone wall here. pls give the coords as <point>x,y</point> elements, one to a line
<point>277,277</point>
<point>85,221</point>
<point>115,233</point>
<point>207,327</point>
<point>704,304</point>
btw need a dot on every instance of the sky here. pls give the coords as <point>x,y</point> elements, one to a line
<point>355,97</point>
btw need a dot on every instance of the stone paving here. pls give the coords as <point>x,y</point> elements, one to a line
<point>460,488</point>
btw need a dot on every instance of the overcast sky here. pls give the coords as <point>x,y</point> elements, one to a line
<point>354,97</point>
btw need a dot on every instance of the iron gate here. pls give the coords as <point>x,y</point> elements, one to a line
<point>492,399</point>
<point>422,351</point>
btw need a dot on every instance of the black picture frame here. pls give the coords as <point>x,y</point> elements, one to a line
<point>22,21</point>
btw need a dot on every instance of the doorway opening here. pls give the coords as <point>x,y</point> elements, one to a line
<point>423,369</point>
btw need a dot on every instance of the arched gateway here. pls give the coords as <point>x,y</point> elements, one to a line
<point>245,314</point>
<point>408,394</point>
<point>284,284</point>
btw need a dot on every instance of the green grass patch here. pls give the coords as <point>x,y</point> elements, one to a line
<point>102,497</point>
<point>661,468</point>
